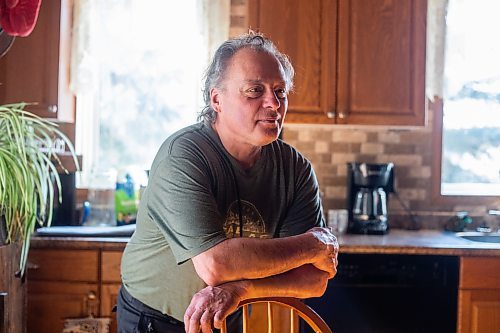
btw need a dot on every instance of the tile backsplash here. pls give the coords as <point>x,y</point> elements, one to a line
<point>330,147</point>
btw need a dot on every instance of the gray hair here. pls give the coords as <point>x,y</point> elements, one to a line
<point>215,72</point>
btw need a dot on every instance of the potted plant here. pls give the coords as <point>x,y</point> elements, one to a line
<point>28,175</point>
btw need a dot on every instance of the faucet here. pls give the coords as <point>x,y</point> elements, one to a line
<point>495,212</point>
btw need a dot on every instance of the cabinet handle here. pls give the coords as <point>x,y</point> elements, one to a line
<point>32,266</point>
<point>3,312</point>
<point>92,304</point>
<point>342,115</point>
<point>331,114</point>
<point>52,108</point>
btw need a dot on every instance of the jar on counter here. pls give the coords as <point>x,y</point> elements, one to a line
<point>101,198</point>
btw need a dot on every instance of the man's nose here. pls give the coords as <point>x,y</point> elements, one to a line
<point>271,101</point>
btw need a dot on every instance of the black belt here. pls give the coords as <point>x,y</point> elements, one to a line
<point>150,320</point>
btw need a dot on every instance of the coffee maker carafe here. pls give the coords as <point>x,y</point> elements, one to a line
<point>368,187</point>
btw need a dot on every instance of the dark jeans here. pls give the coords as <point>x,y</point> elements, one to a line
<point>133,316</point>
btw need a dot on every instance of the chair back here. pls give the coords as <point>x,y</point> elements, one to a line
<point>275,306</point>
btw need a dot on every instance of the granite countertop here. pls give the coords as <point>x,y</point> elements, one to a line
<point>397,241</point>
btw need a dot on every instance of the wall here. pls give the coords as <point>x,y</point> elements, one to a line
<point>330,147</point>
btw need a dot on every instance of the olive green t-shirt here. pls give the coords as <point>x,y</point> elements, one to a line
<point>193,201</point>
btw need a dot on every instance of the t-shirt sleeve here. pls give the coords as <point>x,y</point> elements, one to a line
<point>181,202</point>
<point>305,210</point>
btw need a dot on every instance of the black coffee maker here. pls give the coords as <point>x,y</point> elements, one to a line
<point>368,188</point>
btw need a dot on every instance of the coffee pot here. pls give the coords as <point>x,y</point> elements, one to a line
<point>368,187</point>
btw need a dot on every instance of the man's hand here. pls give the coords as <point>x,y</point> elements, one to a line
<point>326,259</point>
<point>210,306</point>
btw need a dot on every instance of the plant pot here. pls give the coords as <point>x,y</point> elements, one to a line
<point>13,291</point>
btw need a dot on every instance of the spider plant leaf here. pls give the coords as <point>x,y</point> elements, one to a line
<point>28,173</point>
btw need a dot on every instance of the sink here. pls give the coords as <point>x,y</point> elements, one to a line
<point>84,231</point>
<point>486,237</point>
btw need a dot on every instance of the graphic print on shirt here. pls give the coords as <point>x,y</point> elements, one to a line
<point>253,223</point>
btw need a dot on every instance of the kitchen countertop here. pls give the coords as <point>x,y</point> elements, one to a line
<point>433,242</point>
<point>79,243</point>
<point>397,241</point>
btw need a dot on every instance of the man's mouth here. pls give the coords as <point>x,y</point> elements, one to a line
<point>269,121</point>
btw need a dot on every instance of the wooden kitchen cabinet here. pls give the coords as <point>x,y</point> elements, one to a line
<point>357,62</point>
<point>67,283</point>
<point>109,296</point>
<point>479,295</point>
<point>49,303</point>
<point>36,68</point>
<point>111,282</point>
<point>298,29</point>
<point>61,284</point>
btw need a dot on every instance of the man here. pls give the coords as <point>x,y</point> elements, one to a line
<point>230,211</point>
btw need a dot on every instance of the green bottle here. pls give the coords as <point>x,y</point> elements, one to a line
<point>125,199</point>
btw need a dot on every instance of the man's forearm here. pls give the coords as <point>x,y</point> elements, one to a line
<point>302,282</point>
<point>213,303</point>
<point>250,258</point>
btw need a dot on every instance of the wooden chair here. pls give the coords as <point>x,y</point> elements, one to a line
<point>295,307</point>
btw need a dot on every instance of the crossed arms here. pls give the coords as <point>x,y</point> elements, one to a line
<point>241,268</point>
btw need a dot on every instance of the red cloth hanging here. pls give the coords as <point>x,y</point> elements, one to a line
<point>18,17</point>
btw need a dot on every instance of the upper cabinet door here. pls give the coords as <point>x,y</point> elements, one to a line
<point>305,31</point>
<point>381,62</point>
<point>36,68</point>
<point>357,62</point>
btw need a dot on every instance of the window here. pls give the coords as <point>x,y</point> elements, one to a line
<point>471,99</point>
<point>137,73</point>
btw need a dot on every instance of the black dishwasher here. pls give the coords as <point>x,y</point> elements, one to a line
<point>386,293</point>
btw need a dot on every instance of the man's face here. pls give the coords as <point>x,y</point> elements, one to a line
<point>252,103</point>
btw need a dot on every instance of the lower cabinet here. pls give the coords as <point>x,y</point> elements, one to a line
<point>72,283</point>
<point>111,282</point>
<point>109,295</point>
<point>13,291</point>
<point>479,295</point>
<point>66,283</point>
<point>49,303</point>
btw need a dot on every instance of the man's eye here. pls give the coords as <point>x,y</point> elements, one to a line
<point>255,91</point>
<point>281,93</point>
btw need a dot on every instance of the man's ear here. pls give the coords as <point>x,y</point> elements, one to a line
<point>214,99</point>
